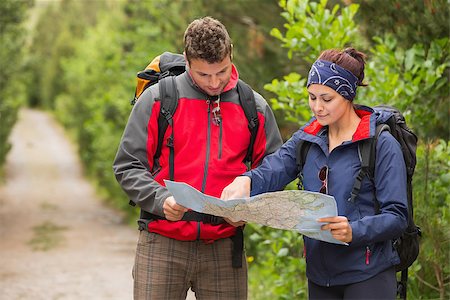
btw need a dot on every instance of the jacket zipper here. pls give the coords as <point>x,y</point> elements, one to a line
<point>208,147</point>
<point>208,150</point>
<point>220,140</point>
<point>368,252</point>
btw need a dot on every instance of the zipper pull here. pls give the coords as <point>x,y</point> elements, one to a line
<point>367,255</point>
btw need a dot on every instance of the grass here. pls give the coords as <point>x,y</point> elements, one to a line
<point>47,236</point>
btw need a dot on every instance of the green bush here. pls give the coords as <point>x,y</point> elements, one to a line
<point>430,276</point>
<point>415,80</point>
<point>12,79</point>
<point>276,263</point>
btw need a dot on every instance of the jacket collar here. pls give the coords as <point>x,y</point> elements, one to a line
<point>365,129</point>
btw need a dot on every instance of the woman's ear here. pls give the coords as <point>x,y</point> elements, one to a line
<point>231,53</point>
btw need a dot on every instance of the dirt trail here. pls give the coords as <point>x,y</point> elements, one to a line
<point>57,240</point>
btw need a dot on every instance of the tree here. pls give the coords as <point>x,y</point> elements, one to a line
<point>411,22</point>
<point>12,40</point>
<point>418,32</point>
<point>58,27</point>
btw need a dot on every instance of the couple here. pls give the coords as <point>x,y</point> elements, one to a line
<point>177,251</point>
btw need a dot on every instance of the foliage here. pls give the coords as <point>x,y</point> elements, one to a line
<point>275,261</point>
<point>53,39</point>
<point>311,28</point>
<point>12,40</point>
<point>401,19</point>
<point>431,274</point>
<point>415,80</point>
<point>93,81</point>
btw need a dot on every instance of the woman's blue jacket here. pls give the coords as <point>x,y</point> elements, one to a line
<point>371,250</point>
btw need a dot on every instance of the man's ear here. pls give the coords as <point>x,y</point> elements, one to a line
<point>186,60</point>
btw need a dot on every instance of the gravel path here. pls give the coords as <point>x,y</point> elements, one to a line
<point>57,239</point>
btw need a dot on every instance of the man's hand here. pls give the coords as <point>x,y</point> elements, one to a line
<point>172,210</point>
<point>235,224</point>
<point>239,188</point>
<point>339,227</point>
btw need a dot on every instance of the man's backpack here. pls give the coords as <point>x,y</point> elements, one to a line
<point>162,66</point>
<point>407,245</point>
<point>163,69</point>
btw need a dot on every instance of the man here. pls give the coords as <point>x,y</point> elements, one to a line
<point>211,137</point>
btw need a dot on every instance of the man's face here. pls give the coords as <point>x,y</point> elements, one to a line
<point>211,78</point>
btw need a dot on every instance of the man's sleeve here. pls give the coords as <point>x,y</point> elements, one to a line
<point>131,165</point>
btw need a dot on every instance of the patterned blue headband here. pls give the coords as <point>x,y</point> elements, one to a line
<point>330,74</point>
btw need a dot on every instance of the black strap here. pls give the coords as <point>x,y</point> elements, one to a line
<point>238,248</point>
<point>247,100</point>
<point>365,154</point>
<point>302,151</point>
<point>169,100</point>
<point>367,157</point>
<point>402,285</point>
<point>188,216</point>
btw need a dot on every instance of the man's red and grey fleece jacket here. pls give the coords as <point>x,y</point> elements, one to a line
<point>207,156</point>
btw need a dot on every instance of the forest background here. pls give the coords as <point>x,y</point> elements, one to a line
<point>78,60</point>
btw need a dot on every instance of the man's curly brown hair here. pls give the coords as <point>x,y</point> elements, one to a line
<point>207,39</point>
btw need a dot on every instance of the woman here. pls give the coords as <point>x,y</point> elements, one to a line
<point>365,268</point>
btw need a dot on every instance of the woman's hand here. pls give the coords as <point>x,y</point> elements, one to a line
<point>239,188</point>
<point>339,227</point>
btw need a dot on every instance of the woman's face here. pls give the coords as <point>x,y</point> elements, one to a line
<point>327,105</point>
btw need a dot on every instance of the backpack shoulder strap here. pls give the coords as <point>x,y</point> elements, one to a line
<point>302,151</point>
<point>247,100</point>
<point>168,95</point>
<point>367,157</point>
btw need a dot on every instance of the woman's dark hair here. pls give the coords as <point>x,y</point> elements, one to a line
<point>349,59</point>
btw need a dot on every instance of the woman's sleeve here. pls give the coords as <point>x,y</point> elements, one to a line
<point>276,170</point>
<point>391,194</point>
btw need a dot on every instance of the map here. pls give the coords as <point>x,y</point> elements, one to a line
<point>289,210</point>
